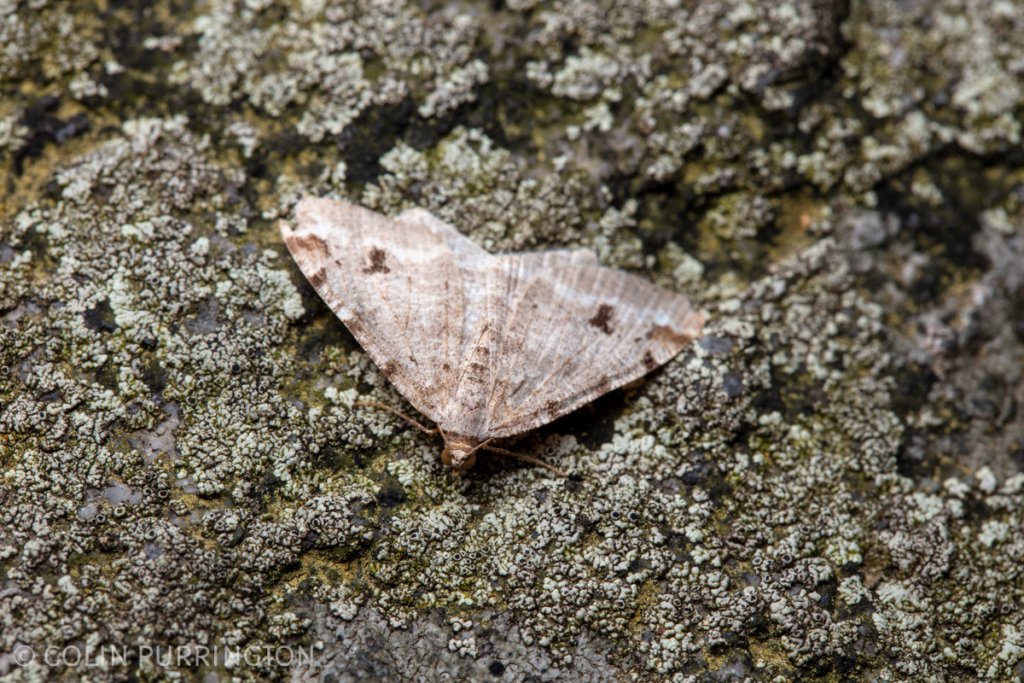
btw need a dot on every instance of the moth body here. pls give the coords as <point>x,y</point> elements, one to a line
<point>459,452</point>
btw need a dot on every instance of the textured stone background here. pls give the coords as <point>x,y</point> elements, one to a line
<point>829,485</point>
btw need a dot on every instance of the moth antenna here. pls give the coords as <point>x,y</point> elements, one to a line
<point>482,444</point>
<point>522,456</point>
<point>384,406</point>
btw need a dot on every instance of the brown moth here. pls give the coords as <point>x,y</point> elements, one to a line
<point>486,346</point>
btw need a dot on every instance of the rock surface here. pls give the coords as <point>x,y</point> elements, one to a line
<point>829,485</point>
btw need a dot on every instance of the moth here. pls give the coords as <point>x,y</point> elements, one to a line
<point>486,346</point>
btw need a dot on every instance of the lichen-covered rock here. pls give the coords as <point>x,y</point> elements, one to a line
<point>827,485</point>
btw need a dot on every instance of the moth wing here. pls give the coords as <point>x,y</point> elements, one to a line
<point>404,288</point>
<point>559,258</point>
<point>456,241</point>
<point>568,331</point>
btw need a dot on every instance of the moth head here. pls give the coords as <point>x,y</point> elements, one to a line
<point>459,454</point>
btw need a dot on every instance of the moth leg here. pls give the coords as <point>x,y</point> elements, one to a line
<point>522,456</point>
<point>384,406</point>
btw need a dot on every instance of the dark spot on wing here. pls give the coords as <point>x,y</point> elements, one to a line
<point>649,361</point>
<point>377,258</point>
<point>551,407</point>
<point>311,244</point>
<point>389,368</point>
<point>603,318</point>
<point>666,335</point>
<point>317,278</point>
<point>604,385</point>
